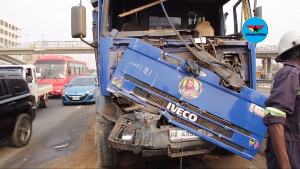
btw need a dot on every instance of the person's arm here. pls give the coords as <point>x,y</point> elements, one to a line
<point>276,132</point>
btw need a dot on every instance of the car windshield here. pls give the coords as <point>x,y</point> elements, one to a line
<point>82,82</point>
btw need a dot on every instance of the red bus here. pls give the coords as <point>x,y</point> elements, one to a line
<point>59,70</point>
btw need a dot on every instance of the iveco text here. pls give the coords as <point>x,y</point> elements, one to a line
<point>182,112</point>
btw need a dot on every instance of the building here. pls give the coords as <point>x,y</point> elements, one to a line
<point>10,36</point>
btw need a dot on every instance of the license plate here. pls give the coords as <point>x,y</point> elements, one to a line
<point>75,98</point>
<point>176,135</point>
<point>209,134</point>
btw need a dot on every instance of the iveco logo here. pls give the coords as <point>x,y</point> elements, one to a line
<point>181,112</point>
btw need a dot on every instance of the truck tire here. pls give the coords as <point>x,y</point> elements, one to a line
<point>44,102</point>
<point>108,156</point>
<point>22,131</point>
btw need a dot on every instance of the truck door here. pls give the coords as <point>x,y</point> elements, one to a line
<point>30,77</point>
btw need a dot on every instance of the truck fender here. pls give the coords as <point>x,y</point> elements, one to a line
<point>107,108</point>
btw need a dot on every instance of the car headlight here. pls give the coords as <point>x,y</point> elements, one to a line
<point>65,92</point>
<point>90,91</point>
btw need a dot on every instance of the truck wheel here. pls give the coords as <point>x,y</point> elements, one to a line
<point>108,156</point>
<point>44,102</point>
<point>22,131</point>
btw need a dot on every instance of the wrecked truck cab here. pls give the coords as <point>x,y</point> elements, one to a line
<point>171,82</point>
<point>217,114</point>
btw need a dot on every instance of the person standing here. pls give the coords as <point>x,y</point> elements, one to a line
<point>282,112</point>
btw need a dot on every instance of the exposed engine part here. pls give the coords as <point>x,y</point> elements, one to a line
<point>229,77</point>
<point>192,66</point>
<point>140,132</point>
<point>235,61</point>
<point>132,108</point>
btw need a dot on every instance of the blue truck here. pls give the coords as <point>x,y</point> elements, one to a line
<point>171,81</point>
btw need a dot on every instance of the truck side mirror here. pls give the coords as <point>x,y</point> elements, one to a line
<point>29,79</point>
<point>258,12</point>
<point>69,70</point>
<point>78,21</point>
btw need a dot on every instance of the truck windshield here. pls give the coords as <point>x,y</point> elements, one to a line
<point>150,20</point>
<point>49,69</point>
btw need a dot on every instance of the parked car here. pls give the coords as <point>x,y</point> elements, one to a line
<point>17,109</point>
<point>80,90</point>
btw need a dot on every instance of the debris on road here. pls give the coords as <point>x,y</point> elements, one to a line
<point>62,146</point>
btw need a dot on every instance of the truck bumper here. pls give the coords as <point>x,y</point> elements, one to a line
<point>140,132</point>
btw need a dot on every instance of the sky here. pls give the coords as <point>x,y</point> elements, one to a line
<point>280,16</point>
<point>50,20</point>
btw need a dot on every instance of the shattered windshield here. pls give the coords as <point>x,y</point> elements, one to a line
<point>161,23</point>
<point>136,18</point>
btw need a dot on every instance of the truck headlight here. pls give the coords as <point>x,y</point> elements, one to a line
<point>128,135</point>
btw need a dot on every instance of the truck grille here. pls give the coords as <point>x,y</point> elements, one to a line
<point>214,136</point>
<point>201,121</point>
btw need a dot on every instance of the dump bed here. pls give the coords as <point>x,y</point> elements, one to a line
<point>229,119</point>
<point>44,88</point>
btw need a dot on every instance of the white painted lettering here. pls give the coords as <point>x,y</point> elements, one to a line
<point>193,117</point>
<point>169,105</point>
<point>185,113</point>
<point>181,112</point>
<point>174,108</point>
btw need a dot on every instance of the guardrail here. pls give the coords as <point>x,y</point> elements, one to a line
<point>80,44</point>
<point>51,45</point>
<point>264,83</point>
<point>267,48</point>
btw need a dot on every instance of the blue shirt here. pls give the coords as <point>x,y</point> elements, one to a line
<point>285,97</point>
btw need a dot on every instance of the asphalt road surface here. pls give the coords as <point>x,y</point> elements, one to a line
<point>54,126</point>
<point>73,126</point>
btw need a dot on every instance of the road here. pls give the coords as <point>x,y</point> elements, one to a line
<point>58,125</point>
<point>54,126</point>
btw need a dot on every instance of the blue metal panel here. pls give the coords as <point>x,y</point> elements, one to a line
<point>149,79</point>
<point>251,47</point>
<point>103,61</point>
<point>100,14</point>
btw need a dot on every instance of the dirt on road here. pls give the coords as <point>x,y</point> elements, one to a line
<point>85,156</point>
